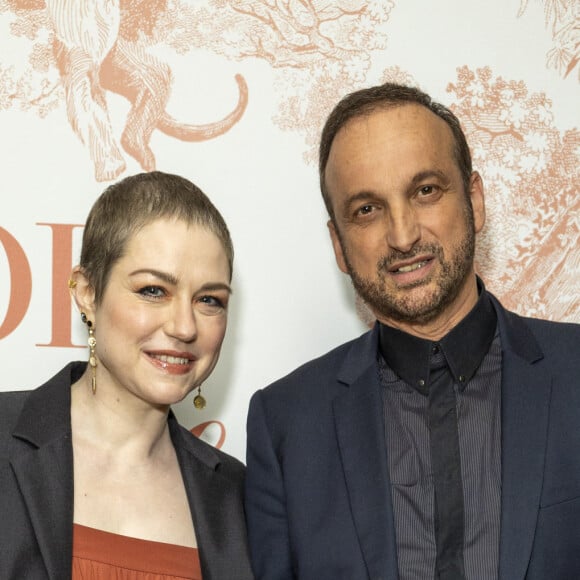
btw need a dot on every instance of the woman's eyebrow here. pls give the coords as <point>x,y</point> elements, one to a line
<point>165,276</point>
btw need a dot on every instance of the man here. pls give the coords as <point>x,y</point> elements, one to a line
<point>445,443</point>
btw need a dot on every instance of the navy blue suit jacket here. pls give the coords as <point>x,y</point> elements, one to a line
<point>36,489</point>
<point>318,498</point>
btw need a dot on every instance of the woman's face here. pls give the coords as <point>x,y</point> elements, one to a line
<point>162,319</point>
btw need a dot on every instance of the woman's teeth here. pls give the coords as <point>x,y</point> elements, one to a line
<point>174,360</point>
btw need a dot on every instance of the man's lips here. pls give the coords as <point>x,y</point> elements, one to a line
<point>409,265</point>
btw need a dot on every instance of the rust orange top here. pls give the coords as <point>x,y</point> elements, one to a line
<point>99,555</point>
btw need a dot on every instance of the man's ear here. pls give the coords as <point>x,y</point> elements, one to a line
<point>82,293</point>
<point>477,200</point>
<point>337,246</point>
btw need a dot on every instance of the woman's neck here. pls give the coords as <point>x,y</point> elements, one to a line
<point>118,423</point>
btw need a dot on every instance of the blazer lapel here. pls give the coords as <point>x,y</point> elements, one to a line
<point>45,480</point>
<point>216,507</point>
<point>42,461</point>
<point>359,423</point>
<point>526,388</point>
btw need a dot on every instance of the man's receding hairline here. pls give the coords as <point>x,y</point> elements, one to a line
<point>387,106</point>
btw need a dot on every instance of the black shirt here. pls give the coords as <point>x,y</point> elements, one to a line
<point>473,353</point>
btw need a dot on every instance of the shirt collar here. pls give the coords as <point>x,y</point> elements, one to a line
<point>463,347</point>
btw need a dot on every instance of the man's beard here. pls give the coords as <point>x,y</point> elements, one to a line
<point>401,306</point>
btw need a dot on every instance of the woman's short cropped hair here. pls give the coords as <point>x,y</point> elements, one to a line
<point>134,202</point>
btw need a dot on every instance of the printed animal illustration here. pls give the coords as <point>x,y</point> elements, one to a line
<point>96,50</point>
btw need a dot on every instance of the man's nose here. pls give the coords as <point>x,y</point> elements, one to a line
<point>403,230</point>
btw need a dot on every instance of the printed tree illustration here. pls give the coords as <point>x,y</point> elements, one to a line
<point>529,252</point>
<point>563,20</point>
<point>32,83</point>
<point>318,49</point>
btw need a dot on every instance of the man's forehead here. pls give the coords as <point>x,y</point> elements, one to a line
<point>408,127</point>
<point>398,117</point>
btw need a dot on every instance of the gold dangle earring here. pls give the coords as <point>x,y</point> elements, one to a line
<point>92,341</point>
<point>199,400</point>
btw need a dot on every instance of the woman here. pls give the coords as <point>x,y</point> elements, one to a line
<point>97,479</point>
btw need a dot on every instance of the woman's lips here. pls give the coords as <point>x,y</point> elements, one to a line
<point>173,363</point>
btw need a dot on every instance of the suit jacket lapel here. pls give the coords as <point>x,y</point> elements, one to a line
<point>216,508</point>
<point>45,480</point>
<point>42,461</point>
<point>359,423</point>
<point>526,388</point>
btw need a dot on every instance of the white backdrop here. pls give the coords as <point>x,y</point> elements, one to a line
<point>510,69</point>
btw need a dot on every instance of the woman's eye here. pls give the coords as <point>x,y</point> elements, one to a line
<point>152,291</point>
<point>212,301</point>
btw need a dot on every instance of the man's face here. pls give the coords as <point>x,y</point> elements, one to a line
<point>404,228</point>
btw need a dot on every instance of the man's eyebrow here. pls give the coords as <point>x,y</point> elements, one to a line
<point>429,174</point>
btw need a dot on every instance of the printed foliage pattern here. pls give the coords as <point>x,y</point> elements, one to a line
<point>34,85</point>
<point>529,252</point>
<point>563,21</point>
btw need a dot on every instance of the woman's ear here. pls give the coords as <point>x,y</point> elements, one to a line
<point>82,293</point>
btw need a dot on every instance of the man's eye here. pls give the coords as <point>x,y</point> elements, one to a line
<point>427,190</point>
<point>365,210</point>
<point>152,291</point>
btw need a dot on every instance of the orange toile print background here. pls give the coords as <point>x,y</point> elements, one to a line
<point>232,95</point>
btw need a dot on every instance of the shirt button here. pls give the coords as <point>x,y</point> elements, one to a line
<point>461,378</point>
<point>421,382</point>
<point>435,349</point>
